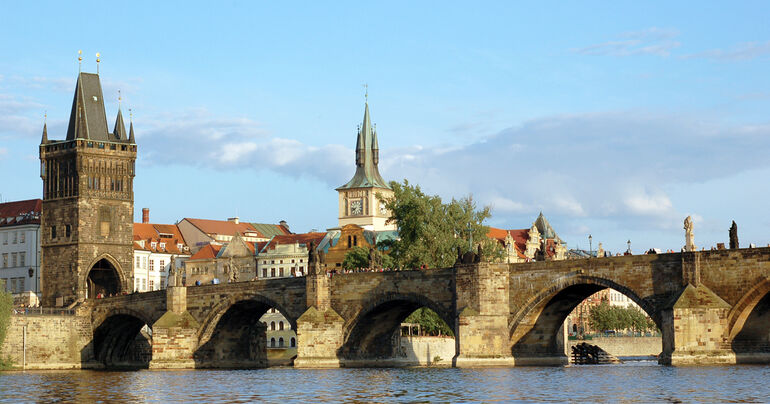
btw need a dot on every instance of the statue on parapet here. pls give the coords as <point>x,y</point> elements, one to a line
<point>171,279</point>
<point>688,235</point>
<point>733,236</point>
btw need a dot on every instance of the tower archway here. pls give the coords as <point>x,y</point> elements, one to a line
<point>103,279</point>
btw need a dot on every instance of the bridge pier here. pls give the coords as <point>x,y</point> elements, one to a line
<point>481,331</point>
<point>174,335</point>
<point>319,328</point>
<point>695,329</point>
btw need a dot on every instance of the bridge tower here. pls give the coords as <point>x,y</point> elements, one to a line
<point>88,202</point>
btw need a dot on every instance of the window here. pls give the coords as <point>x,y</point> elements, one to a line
<point>22,256</point>
<point>272,272</point>
<point>264,272</point>
<point>280,262</point>
<point>22,237</point>
<point>162,246</point>
<point>15,237</point>
<point>272,342</point>
<point>138,262</point>
<point>292,261</point>
<point>67,230</point>
<point>5,238</point>
<point>300,260</point>
<point>13,259</point>
<point>153,245</point>
<point>355,240</point>
<point>272,261</point>
<point>272,326</point>
<point>53,232</point>
<point>5,260</point>
<point>281,272</point>
<point>162,265</point>
<point>293,342</point>
<point>280,325</point>
<point>349,243</point>
<point>280,342</point>
<point>152,265</point>
<point>152,284</point>
<point>264,262</point>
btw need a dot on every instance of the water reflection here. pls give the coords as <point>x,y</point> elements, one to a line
<point>634,382</point>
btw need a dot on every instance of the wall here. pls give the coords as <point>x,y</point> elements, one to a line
<point>423,350</point>
<point>624,346</point>
<point>53,342</point>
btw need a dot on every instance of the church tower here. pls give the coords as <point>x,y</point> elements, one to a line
<point>358,201</point>
<point>88,202</point>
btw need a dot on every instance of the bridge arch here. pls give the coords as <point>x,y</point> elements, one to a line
<point>740,312</point>
<point>367,334</point>
<point>232,335</point>
<point>122,338</point>
<point>533,329</point>
<point>104,275</point>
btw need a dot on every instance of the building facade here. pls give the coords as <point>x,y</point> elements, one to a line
<point>156,248</point>
<point>215,263</point>
<point>88,202</point>
<point>20,245</point>
<point>201,232</point>
<point>361,200</point>
<point>539,242</point>
<point>286,255</point>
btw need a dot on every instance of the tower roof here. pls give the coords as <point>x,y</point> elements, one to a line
<point>119,132</point>
<point>367,173</point>
<point>88,119</point>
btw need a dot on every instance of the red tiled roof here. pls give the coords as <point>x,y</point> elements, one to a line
<point>208,251</point>
<point>20,212</point>
<point>149,233</point>
<point>224,227</point>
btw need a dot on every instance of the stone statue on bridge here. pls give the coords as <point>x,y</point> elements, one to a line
<point>233,270</point>
<point>172,279</point>
<point>688,235</point>
<point>733,236</point>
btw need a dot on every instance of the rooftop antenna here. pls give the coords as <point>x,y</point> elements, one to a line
<point>80,59</point>
<point>97,62</point>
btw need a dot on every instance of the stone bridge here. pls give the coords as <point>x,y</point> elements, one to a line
<point>711,307</point>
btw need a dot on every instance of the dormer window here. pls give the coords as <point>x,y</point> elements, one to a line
<point>141,243</point>
<point>162,246</point>
<point>153,245</point>
<point>179,246</point>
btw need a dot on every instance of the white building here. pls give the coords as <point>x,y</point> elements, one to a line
<point>155,246</point>
<point>286,255</point>
<point>20,245</point>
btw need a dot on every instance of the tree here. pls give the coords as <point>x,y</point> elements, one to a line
<point>429,230</point>
<point>6,305</point>
<point>429,322</point>
<point>356,257</point>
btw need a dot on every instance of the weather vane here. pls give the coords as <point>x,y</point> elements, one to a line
<point>119,99</point>
<point>366,92</point>
<point>130,116</point>
<point>80,59</point>
<point>97,62</point>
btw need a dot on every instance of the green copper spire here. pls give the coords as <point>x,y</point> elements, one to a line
<point>367,157</point>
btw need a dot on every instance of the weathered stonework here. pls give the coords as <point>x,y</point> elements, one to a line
<point>51,342</point>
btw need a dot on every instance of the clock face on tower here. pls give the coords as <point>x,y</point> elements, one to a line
<point>356,207</point>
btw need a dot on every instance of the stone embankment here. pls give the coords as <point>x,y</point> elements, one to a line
<point>48,341</point>
<point>624,346</point>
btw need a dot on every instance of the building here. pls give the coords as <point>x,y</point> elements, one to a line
<point>156,248</point>
<point>286,255</point>
<point>338,242</point>
<point>216,263</point>
<point>361,200</point>
<point>20,245</point>
<point>202,232</point>
<point>539,242</point>
<point>88,202</point>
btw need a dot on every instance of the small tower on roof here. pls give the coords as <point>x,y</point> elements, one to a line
<point>358,201</point>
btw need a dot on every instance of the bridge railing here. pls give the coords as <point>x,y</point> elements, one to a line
<point>41,311</point>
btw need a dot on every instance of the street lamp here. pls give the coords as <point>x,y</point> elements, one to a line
<point>590,247</point>
<point>629,246</point>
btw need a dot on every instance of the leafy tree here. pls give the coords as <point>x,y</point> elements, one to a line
<point>356,257</point>
<point>605,317</point>
<point>429,230</point>
<point>429,322</point>
<point>6,305</point>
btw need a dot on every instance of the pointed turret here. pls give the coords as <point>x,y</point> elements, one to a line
<point>120,128</point>
<point>88,119</point>
<point>367,158</point>
<point>131,138</point>
<point>45,134</point>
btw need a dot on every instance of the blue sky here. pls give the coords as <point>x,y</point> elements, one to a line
<point>616,120</point>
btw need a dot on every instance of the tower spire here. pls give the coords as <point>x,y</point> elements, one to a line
<point>44,140</point>
<point>131,138</point>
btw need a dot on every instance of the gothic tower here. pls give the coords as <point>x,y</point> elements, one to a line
<point>88,202</point>
<point>358,201</point>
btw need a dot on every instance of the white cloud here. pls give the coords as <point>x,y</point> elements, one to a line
<point>645,204</point>
<point>741,51</point>
<point>500,204</point>
<point>650,41</point>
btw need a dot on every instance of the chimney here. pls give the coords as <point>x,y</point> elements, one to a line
<point>284,224</point>
<point>145,215</point>
<point>233,219</point>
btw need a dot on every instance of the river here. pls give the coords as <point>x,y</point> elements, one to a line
<point>642,381</point>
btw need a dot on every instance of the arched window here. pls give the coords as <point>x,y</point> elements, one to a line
<point>293,342</point>
<point>280,342</point>
<point>272,326</point>
<point>272,342</point>
<point>280,325</point>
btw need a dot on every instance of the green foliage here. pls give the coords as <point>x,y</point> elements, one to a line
<point>430,322</point>
<point>6,305</point>
<point>429,230</point>
<point>605,317</point>
<point>356,257</point>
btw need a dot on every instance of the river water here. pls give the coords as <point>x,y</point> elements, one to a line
<point>629,382</point>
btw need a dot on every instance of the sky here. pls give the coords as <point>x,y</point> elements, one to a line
<point>616,119</point>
